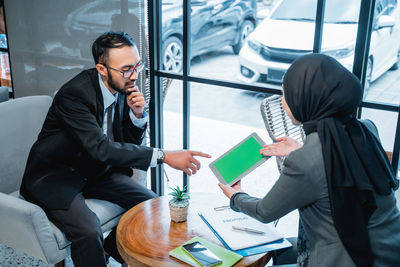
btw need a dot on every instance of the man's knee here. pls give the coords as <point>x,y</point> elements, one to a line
<point>91,233</point>
<point>90,229</point>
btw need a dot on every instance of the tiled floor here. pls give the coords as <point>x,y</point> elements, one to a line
<point>11,258</point>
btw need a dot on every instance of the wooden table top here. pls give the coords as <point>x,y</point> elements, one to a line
<point>145,234</point>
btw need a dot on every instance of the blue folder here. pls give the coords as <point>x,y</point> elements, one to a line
<point>279,244</point>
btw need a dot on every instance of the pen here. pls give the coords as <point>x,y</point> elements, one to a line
<point>248,230</point>
<point>222,208</point>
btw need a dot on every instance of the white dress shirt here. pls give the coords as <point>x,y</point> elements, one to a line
<point>109,99</point>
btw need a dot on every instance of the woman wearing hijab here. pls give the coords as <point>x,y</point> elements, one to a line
<point>340,179</point>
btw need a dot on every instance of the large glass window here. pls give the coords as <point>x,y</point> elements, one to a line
<point>172,36</point>
<point>219,30</point>
<point>284,30</point>
<point>340,31</point>
<point>382,71</point>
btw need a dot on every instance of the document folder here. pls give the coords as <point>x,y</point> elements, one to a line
<point>245,244</point>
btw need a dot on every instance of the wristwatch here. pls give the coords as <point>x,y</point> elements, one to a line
<point>160,156</point>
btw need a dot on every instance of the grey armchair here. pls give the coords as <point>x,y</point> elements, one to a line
<point>24,226</point>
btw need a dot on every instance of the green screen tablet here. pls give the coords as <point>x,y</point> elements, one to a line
<point>239,161</point>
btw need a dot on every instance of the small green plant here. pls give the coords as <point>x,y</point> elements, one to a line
<point>178,204</point>
<point>178,194</point>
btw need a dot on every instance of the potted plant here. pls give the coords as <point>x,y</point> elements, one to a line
<point>178,205</point>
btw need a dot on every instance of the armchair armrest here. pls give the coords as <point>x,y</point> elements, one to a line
<point>24,226</point>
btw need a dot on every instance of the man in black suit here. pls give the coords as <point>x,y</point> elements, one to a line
<point>89,142</point>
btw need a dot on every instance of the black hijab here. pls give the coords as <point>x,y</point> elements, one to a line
<point>324,96</point>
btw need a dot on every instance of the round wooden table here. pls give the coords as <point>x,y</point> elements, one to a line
<point>145,234</point>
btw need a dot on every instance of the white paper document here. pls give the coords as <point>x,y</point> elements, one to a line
<point>239,230</point>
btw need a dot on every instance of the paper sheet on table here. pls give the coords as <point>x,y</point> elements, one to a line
<point>223,220</point>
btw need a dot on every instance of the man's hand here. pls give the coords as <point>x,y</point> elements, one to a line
<point>135,101</point>
<point>283,147</point>
<point>229,191</point>
<point>184,160</point>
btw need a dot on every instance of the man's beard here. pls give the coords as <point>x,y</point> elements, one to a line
<point>112,84</point>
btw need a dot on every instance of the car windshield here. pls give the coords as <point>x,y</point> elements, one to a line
<point>336,11</point>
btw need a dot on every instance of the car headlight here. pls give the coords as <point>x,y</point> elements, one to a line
<point>254,45</point>
<point>340,53</point>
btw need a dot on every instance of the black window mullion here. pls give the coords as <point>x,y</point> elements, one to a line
<point>363,42</point>
<point>156,106</point>
<point>319,24</point>
<point>396,146</point>
<point>186,85</point>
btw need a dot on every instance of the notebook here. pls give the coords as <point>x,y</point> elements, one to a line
<point>229,258</point>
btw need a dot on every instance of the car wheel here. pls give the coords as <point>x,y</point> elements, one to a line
<point>368,77</point>
<point>245,30</point>
<point>172,55</point>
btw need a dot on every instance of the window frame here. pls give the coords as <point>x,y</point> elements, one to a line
<point>156,73</point>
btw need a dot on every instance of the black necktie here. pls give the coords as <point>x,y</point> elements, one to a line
<point>110,133</point>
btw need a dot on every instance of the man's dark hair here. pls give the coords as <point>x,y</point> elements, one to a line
<point>109,40</point>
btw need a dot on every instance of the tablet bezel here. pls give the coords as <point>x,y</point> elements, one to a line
<point>254,166</point>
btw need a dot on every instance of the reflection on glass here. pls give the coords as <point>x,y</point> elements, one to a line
<point>173,130</point>
<point>172,47</point>
<point>45,55</point>
<point>3,41</point>
<point>215,25</point>
<point>289,33</point>
<point>381,84</point>
<point>5,77</point>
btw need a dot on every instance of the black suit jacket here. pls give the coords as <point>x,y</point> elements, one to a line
<point>72,149</point>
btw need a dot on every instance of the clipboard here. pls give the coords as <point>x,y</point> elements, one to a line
<point>240,160</point>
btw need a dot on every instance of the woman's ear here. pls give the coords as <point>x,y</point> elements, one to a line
<point>101,69</point>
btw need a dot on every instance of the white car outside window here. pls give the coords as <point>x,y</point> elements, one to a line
<point>288,33</point>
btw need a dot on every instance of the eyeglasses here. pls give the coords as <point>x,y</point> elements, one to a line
<point>128,73</point>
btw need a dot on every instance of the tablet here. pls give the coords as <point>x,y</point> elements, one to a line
<point>240,160</point>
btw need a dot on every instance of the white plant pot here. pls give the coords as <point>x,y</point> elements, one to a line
<point>178,210</point>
